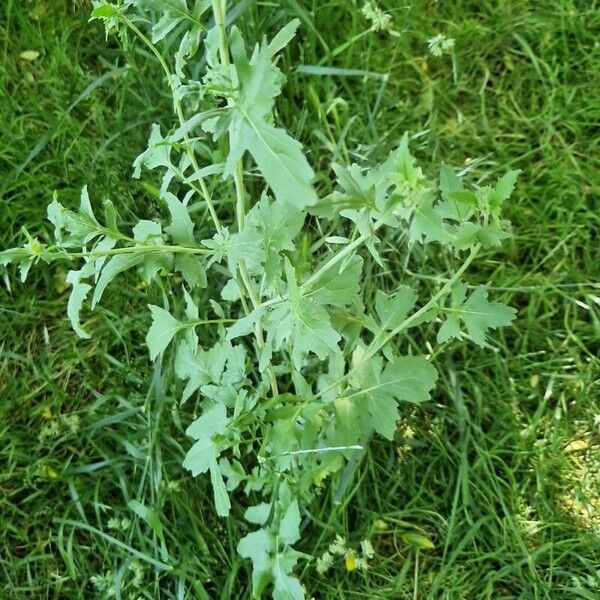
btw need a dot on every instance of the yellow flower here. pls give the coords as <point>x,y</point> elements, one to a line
<point>350,561</point>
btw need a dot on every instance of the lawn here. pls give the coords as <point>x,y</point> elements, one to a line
<point>489,490</point>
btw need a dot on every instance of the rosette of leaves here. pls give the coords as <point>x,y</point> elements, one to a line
<point>303,372</point>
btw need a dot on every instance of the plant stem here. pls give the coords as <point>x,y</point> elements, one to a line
<point>374,347</point>
<point>179,112</point>
<point>240,194</point>
<point>380,341</point>
<point>50,254</point>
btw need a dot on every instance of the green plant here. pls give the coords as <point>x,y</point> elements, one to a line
<point>304,368</point>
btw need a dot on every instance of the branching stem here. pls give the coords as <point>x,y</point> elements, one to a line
<point>240,194</point>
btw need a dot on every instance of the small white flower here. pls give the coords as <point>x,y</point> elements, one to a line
<point>324,563</point>
<point>380,20</point>
<point>440,44</point>
<point>361,564</point>
<point>367,549</point>
<point>338,546</point>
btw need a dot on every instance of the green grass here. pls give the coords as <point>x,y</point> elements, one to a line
<point>491,473</point>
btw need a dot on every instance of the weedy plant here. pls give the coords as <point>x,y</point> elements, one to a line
<point>304,370</point>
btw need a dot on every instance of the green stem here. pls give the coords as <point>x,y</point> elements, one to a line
<point>150,248</point>
<point>444,290</point>
<point>381,340</point>
<point>374,347</point>
<point>240,205</point>
<point>51,253</point>
<point>179,112</point>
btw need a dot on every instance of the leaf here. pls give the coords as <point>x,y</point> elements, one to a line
<point>477,314</point>
<point>358,191</point>
<point>400,168</point>
<point>338,286</point>
<point>203,455</point>
<point>258,546</point>
<point>373,408</point>
<point>258,514</point>
<point>283,37</point>
<point>105,10</point>
<point>245,245</point>
<point>349,417</point>
<point>504,188</point>
<point>457,203</point>
<point>232,471</point>
<point>307,326</point>
<point>393,310</point>
<point>198,366</point>
<point>285,586</point>
<point>409,378</point>
<point>449,182</point>
<point>192,270</point>
<point>117,264</point>
<point>162,331</point>
<point>302,322</point>
<point>157,154</point>
<point>244,325</point>
<point>427,224</point>
<point>14,255</point>
<point>289,526</point>
<point>214,421</point>
<point>173,12</point>
<point>77,297</point>
<point>181,228</point>
<point>277,225</point>
<point>278,156</point>
<point>221,497</point>
<point>81,225</point>
<point>280,160</point>
<point>147,231</point>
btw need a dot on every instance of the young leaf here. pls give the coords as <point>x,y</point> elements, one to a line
<point>278,156</point>
<point>393,310</point>
<point>117,264</point>
<point>338,286</point>
<point>503,189</point>
<point>162,331</point>
<point>214,421</point>
<point>409,378</point>
<point>477,314</point>
<point>77,297</point>
<point>427,224</point>
<point>258,547</point>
